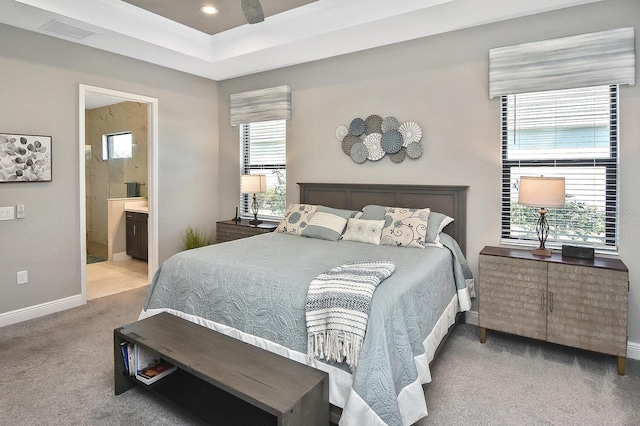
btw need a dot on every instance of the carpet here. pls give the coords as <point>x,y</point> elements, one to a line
<point>94,259</point>
<point>58,370</point>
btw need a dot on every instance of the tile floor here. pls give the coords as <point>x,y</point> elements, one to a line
<point>107,278</point>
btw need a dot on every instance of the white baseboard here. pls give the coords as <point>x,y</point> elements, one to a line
<point>117,257</point>
<point>40,310</point>
<point>633,348</point>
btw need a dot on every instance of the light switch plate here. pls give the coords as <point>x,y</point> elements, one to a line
<point>7,213</point>
<point>20,211</point>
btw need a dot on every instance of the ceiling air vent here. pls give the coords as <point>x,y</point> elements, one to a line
<point>66,29</point>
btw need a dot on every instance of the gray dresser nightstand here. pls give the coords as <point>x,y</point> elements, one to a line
<point>574,302</point>
<point>228,230</point>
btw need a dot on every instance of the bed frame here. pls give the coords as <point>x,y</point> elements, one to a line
<point>446,199</point>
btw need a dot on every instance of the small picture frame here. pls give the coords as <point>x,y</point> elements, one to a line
<point>25,158</point>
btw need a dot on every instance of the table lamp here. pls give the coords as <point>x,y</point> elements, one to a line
<point>253,184</point>
<point>541,192</point>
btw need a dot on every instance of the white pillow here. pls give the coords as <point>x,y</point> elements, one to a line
<point>364,231</point>
<point>326,226</point>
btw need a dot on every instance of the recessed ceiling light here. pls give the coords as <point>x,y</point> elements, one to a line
<point>209,10</point>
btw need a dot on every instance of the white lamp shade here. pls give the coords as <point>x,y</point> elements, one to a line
<point>252,184</point>
<point>539,191</point>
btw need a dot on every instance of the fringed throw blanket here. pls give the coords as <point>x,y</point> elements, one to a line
<point>337,309</point>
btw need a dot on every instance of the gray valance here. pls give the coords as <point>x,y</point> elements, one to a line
<point>594,59</point>
<point>273,103</point>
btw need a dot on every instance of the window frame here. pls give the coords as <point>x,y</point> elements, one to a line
<point>246,167</point>
<point>610,164</point>
<point>108,141</point>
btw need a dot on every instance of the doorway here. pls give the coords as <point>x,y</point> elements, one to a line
<point>123,273</point>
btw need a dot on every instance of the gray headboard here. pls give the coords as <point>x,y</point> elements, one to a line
<point>447,199</point>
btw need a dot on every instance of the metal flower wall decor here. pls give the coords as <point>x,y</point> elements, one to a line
<point>373,138</point>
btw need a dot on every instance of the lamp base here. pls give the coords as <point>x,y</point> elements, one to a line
<point>542,252</point>
<point>255,222</point>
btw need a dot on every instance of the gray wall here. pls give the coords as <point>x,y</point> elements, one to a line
<point>440,82</point>
<point>39,95</point>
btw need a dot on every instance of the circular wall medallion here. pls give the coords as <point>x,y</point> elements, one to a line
<point>411,132</point>
<point>359,152</point>
<point>372,142</point>
<point>348,142</point>
<point>373,124</point>
<point>341,132</point>
<point>399,156</point>
<point>391,141</point>
<point>389,123</point>
<point>357,126</point>
<point>414,150</point>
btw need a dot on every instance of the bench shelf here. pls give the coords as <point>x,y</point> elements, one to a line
<point>222,379</point>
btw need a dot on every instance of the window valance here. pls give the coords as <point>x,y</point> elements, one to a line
<point>273,103</point>
<point>593,59</point>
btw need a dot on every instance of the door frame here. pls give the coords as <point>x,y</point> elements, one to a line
<point>152,177</point>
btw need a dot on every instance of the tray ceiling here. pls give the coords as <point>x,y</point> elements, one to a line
<point>187,12</point>
<point>293,32</point>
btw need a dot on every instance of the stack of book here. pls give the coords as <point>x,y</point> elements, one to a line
<point>145,365</point>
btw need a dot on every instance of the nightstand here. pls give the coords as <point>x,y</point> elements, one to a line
<point>228,230</point>
<point>573,302</point>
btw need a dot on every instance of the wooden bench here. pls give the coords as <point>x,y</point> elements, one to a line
<point>222,380</point>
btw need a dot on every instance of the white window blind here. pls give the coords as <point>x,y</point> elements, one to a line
<point>570,133</point>
<point>263,151</point>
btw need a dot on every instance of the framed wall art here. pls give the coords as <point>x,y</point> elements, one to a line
<point>25,158</point>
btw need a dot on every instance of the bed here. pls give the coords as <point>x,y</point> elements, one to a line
<point>254,289</point>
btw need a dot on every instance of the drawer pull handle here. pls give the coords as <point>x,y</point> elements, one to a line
<point>550,301</point>
<point>542,300</point>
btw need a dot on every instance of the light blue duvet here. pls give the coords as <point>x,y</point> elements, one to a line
<point>258,285</point>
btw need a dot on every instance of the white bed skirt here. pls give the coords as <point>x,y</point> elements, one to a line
<point>355,411</point>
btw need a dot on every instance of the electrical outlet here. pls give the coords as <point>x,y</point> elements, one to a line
<point>23,277</point>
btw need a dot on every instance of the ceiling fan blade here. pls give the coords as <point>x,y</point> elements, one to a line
<point>252,11</point>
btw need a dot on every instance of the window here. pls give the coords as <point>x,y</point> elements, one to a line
<point>263,151</point>
<point>118,145</point>
<point>566,133</point>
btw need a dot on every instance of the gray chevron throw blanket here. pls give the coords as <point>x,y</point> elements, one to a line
<point>337,309</point>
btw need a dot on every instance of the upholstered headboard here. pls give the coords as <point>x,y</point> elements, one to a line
<point>447,199</point>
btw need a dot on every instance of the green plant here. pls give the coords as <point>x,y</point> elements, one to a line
<point>194,238</point>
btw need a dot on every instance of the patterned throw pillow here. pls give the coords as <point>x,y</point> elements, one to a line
<point>405,227</point>
<point>436,222</point>
<point>296,218</point>
<point>364,231</point>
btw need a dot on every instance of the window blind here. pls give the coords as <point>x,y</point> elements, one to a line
<point>569,133</point>
<point>263,151</point>
<point>584,60</point>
